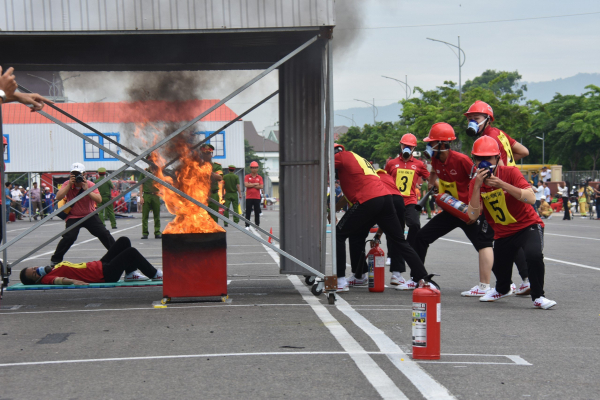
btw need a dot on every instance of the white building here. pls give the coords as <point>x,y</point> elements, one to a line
<point>36,144</point>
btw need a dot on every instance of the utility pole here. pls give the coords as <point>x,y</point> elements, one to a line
<point>405,83</point>
<point>461,61</point>
<point>375,109</point>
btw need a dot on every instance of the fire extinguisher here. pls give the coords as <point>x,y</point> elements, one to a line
<point>426,317</point>
<point>376,264</point>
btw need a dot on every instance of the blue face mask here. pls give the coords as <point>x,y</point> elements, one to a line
<point>44,270</point>
<point>487,165</point>
<point>406,153</point>
<point>428,153</point>
<point>473,127</point>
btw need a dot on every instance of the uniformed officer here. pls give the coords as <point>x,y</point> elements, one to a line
<point>105,191</point>
<point>216,177</point>
<point>232,192</point>
<point>150,201</point>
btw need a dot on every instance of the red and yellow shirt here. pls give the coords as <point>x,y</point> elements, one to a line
<point>358,178</point>
<point>505,143</point>
<point>90,272</point>
<point>503,212</point>
<point>406,175</point>
<point>454,175</point>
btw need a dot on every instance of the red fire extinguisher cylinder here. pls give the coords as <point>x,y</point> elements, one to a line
<point>376,264</point>
<point>426,321</point>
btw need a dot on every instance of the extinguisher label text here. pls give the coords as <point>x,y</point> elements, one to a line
<point>419,324</point>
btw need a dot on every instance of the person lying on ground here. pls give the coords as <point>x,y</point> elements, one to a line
<point>121,257</point>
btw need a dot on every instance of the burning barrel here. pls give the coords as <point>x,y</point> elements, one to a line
<point>194,264</point>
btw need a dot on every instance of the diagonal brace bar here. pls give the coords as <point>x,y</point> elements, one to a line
<point>243,219</point>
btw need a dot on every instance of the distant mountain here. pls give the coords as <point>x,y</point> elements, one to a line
<point>545,91</point>
<point>542,91</point>
<point>364,115</point>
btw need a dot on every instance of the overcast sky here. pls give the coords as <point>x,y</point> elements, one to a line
<point>540,49</point>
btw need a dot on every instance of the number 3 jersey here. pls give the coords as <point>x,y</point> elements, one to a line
<point>503,212</point>
<point>454,175</point>
<point>405,175</point>
<point>357,177</point>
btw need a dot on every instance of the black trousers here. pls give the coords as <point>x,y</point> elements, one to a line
<point>566,207</point>
<point>444,223</point>
<point>121,257</point>
<point>413,221</point>
<point>380,211</point>
<point>597,207</point>
<point>531,241</point>
<point>357,244</point>
<point>253,204</point>
<point>93,225</point>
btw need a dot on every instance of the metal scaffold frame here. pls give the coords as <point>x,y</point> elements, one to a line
<point>327,144</point>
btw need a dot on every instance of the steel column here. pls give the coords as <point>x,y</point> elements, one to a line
<point>4,271</point>
<point>329,113</point>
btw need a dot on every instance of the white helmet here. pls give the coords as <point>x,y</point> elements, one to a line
<point>79,167</point>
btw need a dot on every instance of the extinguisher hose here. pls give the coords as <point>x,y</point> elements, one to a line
<point>428,279</point>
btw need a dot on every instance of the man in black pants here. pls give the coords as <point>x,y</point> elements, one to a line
<point>371,204</point>
<point>69,190</point>
<point>121,257</point>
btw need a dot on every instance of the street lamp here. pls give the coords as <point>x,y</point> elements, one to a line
<point>351,119</point>
<point>375,109</point>
<point>460,62</point>
<point>405,83</point>
<point>543,139</point>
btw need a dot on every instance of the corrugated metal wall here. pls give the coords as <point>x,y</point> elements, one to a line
<point>301,116</point>
<point>132,15</point>
<point>51,148</point>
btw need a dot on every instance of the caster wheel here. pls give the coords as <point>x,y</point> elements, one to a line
<point>309,280</point>
<point>317,289</point>
<point>165,300</point>
<point>331,298</point>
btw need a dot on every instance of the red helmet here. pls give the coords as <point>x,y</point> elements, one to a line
<point>409,139</point>
<point>442,132</point>
<point>253,164</point>
<point>338,146</point>
<point>485,146</point>
<point>480,107</point>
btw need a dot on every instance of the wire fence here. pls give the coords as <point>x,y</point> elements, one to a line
<point>574,177</point>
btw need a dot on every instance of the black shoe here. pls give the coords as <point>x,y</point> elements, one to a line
<point>145,237</point>
<point>225,225</point>
<point>114,227</point>
<point>158,236</point>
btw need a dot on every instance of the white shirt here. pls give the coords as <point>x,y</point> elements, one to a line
<point>16,195</point>
<point>545,176</point>
<point>564,192</point>
<point>539,193</point>
<point>547,194</point>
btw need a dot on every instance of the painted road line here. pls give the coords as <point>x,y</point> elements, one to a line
<point>545,258</point>
<point>78,244</point>
<point>425,383</point>
<point>257,354</point>
<point>568,236</point>
<point>386,388</point>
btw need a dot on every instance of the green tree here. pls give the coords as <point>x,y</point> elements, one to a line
<point>499,82</point>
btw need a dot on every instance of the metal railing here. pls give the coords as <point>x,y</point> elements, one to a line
<point>574,177</point>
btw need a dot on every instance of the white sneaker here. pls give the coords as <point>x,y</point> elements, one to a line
<point>342,285</point>
<point>136,276</point>
<point>475,291</point>
<point>408,285</point>
<point>493,295</point>
<point>542,302</point>
<point>513,287</point>
<point>397,280</point>
<point>388,261</point>
<point>524,289</point>
<point>247,228</point>
<point>158,276</point>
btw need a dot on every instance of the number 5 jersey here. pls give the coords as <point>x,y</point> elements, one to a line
<point>504,213</point>
<point>405,175</point>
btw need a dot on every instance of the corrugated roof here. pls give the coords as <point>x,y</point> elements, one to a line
<point>256,141</point>
<point>122,112</point>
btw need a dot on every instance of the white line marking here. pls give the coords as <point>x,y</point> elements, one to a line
<point>575,237</point>
<point>80,243</point>
<point>386,388</point>
<point>425,383</point>
<point>228,282</point>
<point>518,360</point>
<point>259,354</point>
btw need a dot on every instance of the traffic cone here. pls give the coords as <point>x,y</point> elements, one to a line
<point>270,238</point>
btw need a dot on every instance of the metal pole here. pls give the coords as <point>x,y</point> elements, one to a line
<point>323,169</point>
<point>28,193</point>
<point>459,74</point>
<point>244,219</point>
<point>4,272</point>
<point>374,111</point>
<point>543,148</point>
<point>331,154</point>
<point>406,80</point>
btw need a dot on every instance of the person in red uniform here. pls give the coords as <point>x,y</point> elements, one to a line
<point>121,257</point>
<point>405,171</point>
<point>371,204</point>
<point>505,198</point>
<point>253,183</point>
<point>453,171</point>
<point>480,117</point>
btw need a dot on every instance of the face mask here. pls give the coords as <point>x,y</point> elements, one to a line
<point>473,127</point>
<point>428,153</point>
<point>44,270</point>
<point>406,153</point>
<point>487,165</point>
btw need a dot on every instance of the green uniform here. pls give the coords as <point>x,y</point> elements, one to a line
<point>108,212</point>
<point>151,202</point>
<point>231,194</point>
<point>214,189</point>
